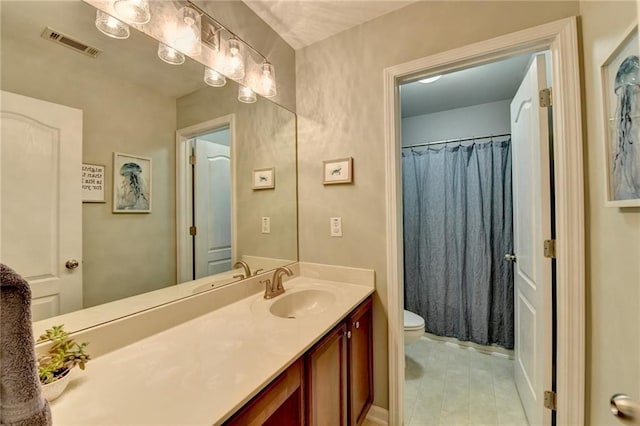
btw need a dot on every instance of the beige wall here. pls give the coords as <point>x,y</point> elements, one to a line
<point>340,113</point>
<point>123,254</point>
<point>266,138</point>
<point>237,16</point>
<point>613,235</point>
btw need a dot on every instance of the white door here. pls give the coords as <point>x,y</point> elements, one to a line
<point>213,247</point>
<point>40,205</point>
<point>532,225</point>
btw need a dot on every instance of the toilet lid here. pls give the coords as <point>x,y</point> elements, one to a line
<point>412,321</point>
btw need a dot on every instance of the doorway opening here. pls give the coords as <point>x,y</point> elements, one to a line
<point>475,144</point>
<point>206,200</point>
<point>560,38</point>
<point>211,190</point>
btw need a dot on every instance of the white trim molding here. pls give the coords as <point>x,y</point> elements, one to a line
<point>183,191</point>
<point>560,37</point>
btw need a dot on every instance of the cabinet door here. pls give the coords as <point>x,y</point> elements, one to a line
<point>360,352</point>
<point>327,380</point>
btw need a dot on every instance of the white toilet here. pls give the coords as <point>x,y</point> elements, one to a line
<point>413,327</point>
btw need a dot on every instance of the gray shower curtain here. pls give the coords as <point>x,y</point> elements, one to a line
<point>458,225</point>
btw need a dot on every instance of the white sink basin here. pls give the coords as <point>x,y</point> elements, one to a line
<point>302,303</point>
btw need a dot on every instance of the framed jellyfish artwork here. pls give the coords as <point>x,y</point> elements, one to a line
<point>621,95</point>
<point>131,184</point>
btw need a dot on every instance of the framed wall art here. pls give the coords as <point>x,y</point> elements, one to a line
<point>264,178</point>
<point>620,74</point>
<point>93,183</point>
<point>337,171</point>
<point>131,183</point>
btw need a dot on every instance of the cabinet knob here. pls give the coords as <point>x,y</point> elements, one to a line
<point>348,335</point>
<point>356,324</point>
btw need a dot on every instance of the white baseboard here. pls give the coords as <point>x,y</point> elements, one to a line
<point>378,415</point>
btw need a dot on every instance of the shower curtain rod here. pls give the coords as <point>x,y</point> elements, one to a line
<point>456,140</point>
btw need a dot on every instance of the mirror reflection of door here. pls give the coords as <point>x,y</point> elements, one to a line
<point>212,246</point>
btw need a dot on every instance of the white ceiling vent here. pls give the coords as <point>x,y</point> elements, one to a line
<point>70,42</point>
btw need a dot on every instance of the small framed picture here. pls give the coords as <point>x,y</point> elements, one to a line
<point>621,96</point>
<point>93,183</point>
<point>338,171</point>
<point>131,183</point>
<point>264,178</point>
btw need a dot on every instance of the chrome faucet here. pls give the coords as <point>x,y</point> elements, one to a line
<point>242,264</point>
<point>274,286</point>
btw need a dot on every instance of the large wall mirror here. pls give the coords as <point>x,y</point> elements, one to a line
<point>142,120</point>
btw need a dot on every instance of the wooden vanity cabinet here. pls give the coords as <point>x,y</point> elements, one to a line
<point>360,353</point>
<point>330,385</point>
<point>281,403</point>
<point>339,372</point>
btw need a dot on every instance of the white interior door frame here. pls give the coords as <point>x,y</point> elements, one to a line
<point>184,203</point>
<point>561,38</point>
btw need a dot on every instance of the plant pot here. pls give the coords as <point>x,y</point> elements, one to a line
<point>54,389</point>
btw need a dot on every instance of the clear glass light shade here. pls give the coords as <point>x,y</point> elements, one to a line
<point>214,78</point>
<point>430,79</point>
<point>188,32</point>
<point>267,81</point>
<point>235,61</point>
<point>110,26</point>
<point>246,95</point>
<point>170,55</point>
<point>133,11</point>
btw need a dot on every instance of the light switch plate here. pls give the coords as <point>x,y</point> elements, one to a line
<point>336,226</point>
<point>266,225</point>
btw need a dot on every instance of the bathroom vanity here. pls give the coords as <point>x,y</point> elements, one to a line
<point>331,384</point>
<point>303,356</point>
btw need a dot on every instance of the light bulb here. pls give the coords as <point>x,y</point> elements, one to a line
<point>110,26</point>
<point>246,95</point>
<point>133,11</point>
<point>170,55</point>
<point>214,78</point>
<point>430,79</point>
<point>267,82</point>
<point>235,61</point>
<point>188,33</point>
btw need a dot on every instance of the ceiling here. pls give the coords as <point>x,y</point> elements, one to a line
<point>491,82</point>
<point>304,22</point>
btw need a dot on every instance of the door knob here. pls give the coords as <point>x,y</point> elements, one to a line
<point>71,264</point>
<point>510,257</point>
<point>623,406</point>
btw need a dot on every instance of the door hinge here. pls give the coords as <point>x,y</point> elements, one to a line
<point>193,230</point>
<point>192,159</point>
<point>545,98</point>
<point>550,400</point>
<point>550,249</point>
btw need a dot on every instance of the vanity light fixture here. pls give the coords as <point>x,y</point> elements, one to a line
<point>214,78</point>
<point>188,33</point>
<point>133,11</point>
<point>246,95</point>
<point>170,55</point>
<point>267,80</point>
<point>235,60</point>
<point>110,26</point>
<point>430,79</point>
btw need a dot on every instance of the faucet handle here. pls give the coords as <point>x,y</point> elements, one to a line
<point>256,272</point>
<point>239,276</point>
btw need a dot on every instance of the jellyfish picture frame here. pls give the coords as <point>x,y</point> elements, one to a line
<point>131,183</point>
<point>620,73</point>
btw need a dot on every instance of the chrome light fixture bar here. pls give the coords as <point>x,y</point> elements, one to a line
<point>184,29</point>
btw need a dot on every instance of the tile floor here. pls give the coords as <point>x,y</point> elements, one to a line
<point>449,385</point>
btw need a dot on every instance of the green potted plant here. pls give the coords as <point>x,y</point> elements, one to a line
<point>62,356</point>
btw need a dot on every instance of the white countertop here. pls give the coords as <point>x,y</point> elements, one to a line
<point>202,371</point>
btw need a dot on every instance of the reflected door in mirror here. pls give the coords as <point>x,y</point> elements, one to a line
<point>41,216</point>
<point>212,199</point>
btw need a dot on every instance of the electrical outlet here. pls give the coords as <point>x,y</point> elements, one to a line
<point>336,226</point>
<point>266,225</point>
